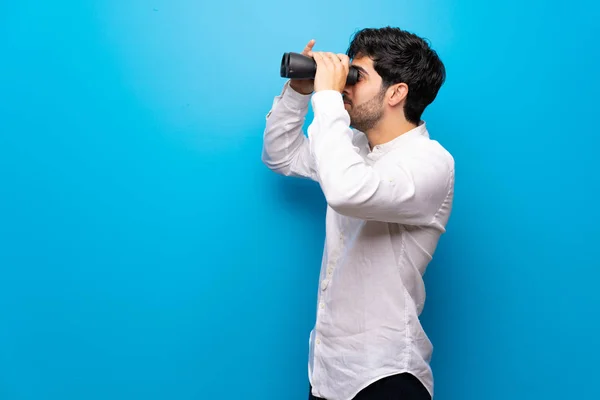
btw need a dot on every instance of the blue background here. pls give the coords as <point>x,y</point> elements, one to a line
<point>146,252</point>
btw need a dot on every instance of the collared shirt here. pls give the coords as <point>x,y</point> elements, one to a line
<point>387,208</point>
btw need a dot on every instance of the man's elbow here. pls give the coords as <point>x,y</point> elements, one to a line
<point>365,210</point>
<point>345,208</point>
<point>345,202</point>
<point>372,205</point>
<point>281,167</point>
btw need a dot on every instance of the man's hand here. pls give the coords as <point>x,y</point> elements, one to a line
<point>332,71</point>
<point>304,86</point>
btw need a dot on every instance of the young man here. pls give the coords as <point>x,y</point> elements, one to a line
<point>389,190</point>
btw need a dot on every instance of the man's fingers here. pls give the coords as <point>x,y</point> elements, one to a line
<point>329,59</point>
<point>332,60</point>
<point>322,59</point>
<point>317,57</point>
<point>309,47</point>
<point>335,61</point>
<point>330,71</point>
<point>345,60</point>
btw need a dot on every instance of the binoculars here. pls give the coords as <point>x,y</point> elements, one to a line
<point>299,66</point>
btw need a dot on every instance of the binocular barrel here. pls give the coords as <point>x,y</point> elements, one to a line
<point>299,66</point>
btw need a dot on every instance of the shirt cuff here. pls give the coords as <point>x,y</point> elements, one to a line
<point>331,103</point>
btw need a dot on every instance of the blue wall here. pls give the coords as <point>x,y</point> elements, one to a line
<point>145,251</point>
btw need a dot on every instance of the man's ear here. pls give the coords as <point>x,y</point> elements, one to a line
<point>399,93</point>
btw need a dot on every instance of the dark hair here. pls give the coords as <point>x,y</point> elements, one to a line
<point>402,57</point>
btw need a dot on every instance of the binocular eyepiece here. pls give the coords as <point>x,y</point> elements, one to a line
<point>299,66</point>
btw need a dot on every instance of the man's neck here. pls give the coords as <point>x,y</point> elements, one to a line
<point>386,132</point>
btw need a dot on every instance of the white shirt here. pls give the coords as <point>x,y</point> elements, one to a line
<point>386,211</point>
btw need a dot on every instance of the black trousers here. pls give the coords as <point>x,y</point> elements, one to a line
<point>403,386</point>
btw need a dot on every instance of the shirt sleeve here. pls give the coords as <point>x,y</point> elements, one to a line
<point>408,190</point>
<point>285,147</point>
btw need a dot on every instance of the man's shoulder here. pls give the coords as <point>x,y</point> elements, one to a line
<point>422,155</point>
<point>441,152</point>
<point>424,146</point>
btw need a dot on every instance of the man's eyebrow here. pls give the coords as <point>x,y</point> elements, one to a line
<point>361,69</point>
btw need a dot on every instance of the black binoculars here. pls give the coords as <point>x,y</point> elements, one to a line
<point>299,66</point>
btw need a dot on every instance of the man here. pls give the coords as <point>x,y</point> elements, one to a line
<point>389,190</point>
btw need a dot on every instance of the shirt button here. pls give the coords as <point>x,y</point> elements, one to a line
<point>324,284</point>
<point>322,305</point>
<point>329,271</point>
<point>318,341</point>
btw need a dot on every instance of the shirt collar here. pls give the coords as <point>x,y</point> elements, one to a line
<point>419,130</point>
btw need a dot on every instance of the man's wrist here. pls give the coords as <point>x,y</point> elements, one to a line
<point>295,101</point>
<point>298,90</point>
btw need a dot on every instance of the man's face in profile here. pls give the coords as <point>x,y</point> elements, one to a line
<point>364,100</point>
